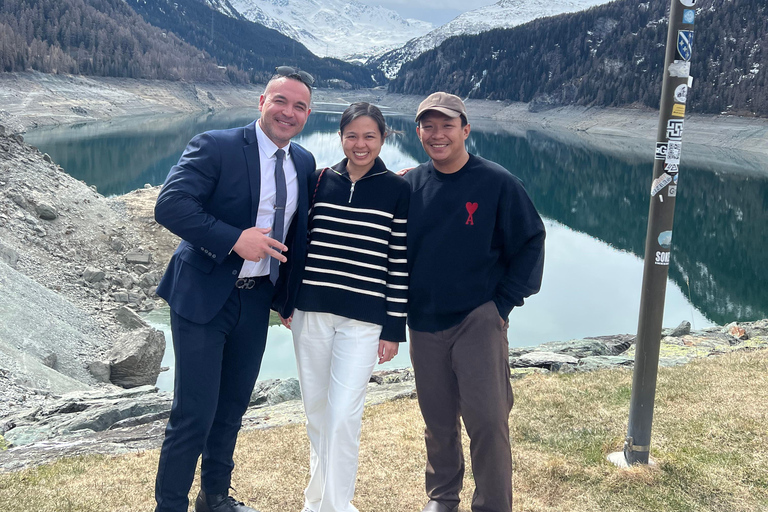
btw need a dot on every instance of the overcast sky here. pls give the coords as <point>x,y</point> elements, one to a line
<point>437,12</point>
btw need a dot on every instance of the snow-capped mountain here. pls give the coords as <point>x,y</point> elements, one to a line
<point>224,7</point>
<point>345,29</point>
<point>503,14</point>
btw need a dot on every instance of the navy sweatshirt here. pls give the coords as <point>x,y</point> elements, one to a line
<point>473,236</point>
<point>356,259</point>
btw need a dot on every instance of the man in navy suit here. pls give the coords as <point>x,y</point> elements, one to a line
<point>238,198</point>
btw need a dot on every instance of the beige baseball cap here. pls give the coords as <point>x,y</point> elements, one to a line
<point>448,104</point>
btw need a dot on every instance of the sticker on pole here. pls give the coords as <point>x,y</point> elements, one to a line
<point>688,3</point>
<point>662,258</point>
<point>671,167</point>
<point>681,93</point>
<point>688,16</point>
<point>674,148</point>
<point>672,191</point>
<point>665,239</point>
<point>685,44</point>
<point>661,151</point>
<point>680,69</point>
<point>675,129</point>
<point>660,182</point>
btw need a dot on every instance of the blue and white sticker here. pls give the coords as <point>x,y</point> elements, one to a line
<point>665,239</point>
<point>688,16</point>
<point>685,44</point>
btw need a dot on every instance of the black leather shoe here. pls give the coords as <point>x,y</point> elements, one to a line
<point>219,503</point>
<point>437,506</point>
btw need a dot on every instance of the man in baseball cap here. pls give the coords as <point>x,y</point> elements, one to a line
<point>445,103</point>
<point>475,251</point>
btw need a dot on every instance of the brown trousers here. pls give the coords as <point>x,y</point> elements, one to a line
<point>464,371</point>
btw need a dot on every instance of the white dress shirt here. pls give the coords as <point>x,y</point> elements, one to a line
<point>266,215</point>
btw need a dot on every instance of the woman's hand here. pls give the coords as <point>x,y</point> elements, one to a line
<point>286,321</point>
<point>387,350</point>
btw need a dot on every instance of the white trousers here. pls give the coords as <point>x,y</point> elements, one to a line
<point>335,357</point>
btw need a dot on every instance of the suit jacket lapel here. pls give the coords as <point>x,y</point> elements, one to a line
<point>302,170</point>
<point>253,162</point>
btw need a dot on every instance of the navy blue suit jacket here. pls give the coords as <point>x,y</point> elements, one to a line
<point>208,199</point>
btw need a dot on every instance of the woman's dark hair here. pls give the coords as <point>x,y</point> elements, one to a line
<point>360,109</point>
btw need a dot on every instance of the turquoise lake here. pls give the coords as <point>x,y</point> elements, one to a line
<point>595,207</point>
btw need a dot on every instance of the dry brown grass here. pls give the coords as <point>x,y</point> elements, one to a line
<point>710,442</point>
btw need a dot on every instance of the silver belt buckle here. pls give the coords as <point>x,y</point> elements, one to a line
<point>245,283</point>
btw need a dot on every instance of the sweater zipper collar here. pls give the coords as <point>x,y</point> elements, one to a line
<point>353,183</point>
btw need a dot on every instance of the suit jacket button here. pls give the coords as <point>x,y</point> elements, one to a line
<point>234,272</point>
<point>214,256</point>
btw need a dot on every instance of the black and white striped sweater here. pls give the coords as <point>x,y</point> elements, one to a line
<point>356,258</point>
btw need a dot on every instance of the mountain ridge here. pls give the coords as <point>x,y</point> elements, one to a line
<point>333,28</point>
<point>502,14</point>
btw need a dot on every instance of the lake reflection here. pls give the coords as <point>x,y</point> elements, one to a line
<point>595,207</point>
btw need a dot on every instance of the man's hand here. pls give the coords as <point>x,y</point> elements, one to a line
<point>286,321</point>
<point>387,350</point>
<point>254,244</point>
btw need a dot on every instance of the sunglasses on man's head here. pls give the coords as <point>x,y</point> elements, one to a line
<point>290,72</point>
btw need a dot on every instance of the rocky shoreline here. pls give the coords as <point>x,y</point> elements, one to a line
<point>77,362</point>
<point>125,421</point>
<point>76,267</point>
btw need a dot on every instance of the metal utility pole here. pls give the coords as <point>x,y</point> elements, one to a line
<point>674,91</point>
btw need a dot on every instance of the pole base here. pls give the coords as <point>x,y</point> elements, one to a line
<point>619,460</point>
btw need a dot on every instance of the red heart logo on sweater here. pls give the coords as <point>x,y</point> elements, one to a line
<point>471,208</point>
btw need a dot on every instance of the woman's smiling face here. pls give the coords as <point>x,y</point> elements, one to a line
<point>361,141</point>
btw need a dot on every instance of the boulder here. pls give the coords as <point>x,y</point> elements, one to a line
<point>682,329</point>
<point>150,279</point>
<point>135,358</point>
<point>275,391</point>
<point>99,370</point>
<point>8,256</point>
<point>758,328</point>
<point>129,319</point>
<point>601,362</point>
<point>90,411</point>
<point>46,212</point>
<point>737,331</point>
<point>549,360</point>
<point>93,275</point>
<point>121,296</point>
<point>50,359</point>
<point>284,391</point>
<point>143,258</point>
<point>577,348</point>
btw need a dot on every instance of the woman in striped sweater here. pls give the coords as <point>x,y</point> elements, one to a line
<point>351,307</point>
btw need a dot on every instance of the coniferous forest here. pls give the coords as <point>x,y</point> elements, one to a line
<point>94,37</point>
<point>610,55</point>
<point>160,39</point>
